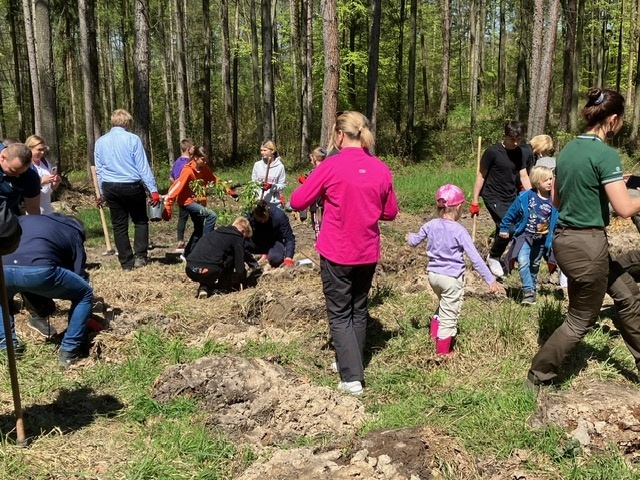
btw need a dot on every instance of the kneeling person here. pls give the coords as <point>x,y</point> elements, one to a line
<point>213,260</point>
<point>50,261</point>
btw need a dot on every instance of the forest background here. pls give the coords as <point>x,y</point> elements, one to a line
<point>430,74</point>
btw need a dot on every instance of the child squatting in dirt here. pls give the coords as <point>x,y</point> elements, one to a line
<point>447,240</point>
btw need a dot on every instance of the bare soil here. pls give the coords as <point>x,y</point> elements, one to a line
<point>262,404</point>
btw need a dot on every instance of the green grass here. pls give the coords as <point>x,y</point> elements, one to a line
<point>475,398</point>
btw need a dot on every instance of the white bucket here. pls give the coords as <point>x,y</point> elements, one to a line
<point>155,212</point>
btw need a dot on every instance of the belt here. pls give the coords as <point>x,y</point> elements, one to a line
<point>582,229</point>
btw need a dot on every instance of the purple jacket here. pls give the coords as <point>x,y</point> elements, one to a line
<point>177,167</point>
<point>357,191</point>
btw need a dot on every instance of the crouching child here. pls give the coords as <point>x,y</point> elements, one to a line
<point>216,256</point>
<point>534,218</point>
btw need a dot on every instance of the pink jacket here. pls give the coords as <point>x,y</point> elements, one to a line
<point>357,190</point>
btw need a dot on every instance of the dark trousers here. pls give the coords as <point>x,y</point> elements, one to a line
<point>128,200</point>
<point>583,256</point>
<point>211,277</point>
<point>183,216</point>
<point>275,253</point>
<point>498,209</point>
<point>346,291</point>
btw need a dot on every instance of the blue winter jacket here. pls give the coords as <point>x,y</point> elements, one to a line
<point>518,215</point>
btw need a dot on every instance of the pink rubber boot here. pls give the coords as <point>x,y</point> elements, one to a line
<point>444,346</point>
<point>433,328</point>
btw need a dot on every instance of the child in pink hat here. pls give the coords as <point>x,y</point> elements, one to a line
<point>447,241</point>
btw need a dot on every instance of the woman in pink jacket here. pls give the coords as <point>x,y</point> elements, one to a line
<point>357,191</point>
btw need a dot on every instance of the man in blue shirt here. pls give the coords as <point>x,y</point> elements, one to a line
<point>123,172</point>
<point>18,180</point>
<point>50,261</point>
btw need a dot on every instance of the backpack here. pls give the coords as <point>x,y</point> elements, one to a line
<point>10,230</point>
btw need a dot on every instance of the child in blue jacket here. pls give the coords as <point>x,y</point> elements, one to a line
<point>534,218</point>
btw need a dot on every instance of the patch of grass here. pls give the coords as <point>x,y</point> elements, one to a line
<point>182,448</point>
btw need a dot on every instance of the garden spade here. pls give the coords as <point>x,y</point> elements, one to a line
<point>475,217</point>
<point>105,229</point>
<point>21,438</point>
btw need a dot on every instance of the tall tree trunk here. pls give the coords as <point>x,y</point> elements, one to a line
<point>141,109</point>
<point>524,22</point>
<point>29,30</point>
<point>206,91</point>
<point>373,64</point>
<point>635,123</point>
<point>46,80</point>
<point>423,68</point>
<point>446,61</point>
<point>226,73</point>
<point>411,75</point>
<point>307,77</point>
<point>476,41</point>
<point>267,72</point>
<point>546,20</point>
<point>577,66</point>
<point>181,68</point>
<point>331,68</point>
<point>166,84</point>
<point>255,69</point>
<point>294,15</point>
<point>399,67</point>
<point>569,29</point>
<point>14,28</point>
<point>354,25</point>
<point>620,39</point>
<point>236,42</point>
<point>502,57</point>
<point>128,71</point>
<point>632,38</point>
<point>90,69</point>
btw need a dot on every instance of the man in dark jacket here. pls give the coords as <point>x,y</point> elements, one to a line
<point>217,254</point>
<point>273,237</point>
<point>50,261</point>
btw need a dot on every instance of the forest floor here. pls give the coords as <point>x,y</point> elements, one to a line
<point>252,369</point>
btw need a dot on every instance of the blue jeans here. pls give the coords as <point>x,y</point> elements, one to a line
<point>52,282</point>
<point>529,258</point>
<point>204,221</point>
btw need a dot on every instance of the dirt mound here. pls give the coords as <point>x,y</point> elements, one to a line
<point>596,415</point>
<point>262,401</point>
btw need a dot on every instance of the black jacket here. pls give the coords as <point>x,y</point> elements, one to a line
<point>276,229</point>
<point>223,248</point>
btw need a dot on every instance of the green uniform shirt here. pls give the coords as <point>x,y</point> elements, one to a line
<point>585,165</point>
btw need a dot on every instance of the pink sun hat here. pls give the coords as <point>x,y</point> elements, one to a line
<point>449,196</point>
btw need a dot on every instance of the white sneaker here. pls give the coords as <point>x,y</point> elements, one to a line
<point>183,259</point>
<point>495,266</point>
<point>354,388</point>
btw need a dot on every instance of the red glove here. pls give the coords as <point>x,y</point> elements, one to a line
<point>100,201</point>
<point>155,198</point>
<point>474,209</point>
<point>232,193</point>
<point>302,178</point>
<point>166,213</point>
<point>288,262</point>
<point>266,186</point>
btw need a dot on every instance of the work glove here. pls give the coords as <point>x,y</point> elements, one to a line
<point>155,198</point>
<point>233,194</point>
<point>100,201</point>
<point>288,262</point>
<point>302,178</point>
<point>474,209</point>
<point>166,213</point>
<point>266,186</point>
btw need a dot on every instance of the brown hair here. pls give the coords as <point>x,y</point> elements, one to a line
<point>186,144</point>
<point>355,126</point>
<point>319,154</point>
<point>198,152</point>
<point>261,210</point>
<point>601,104</point>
